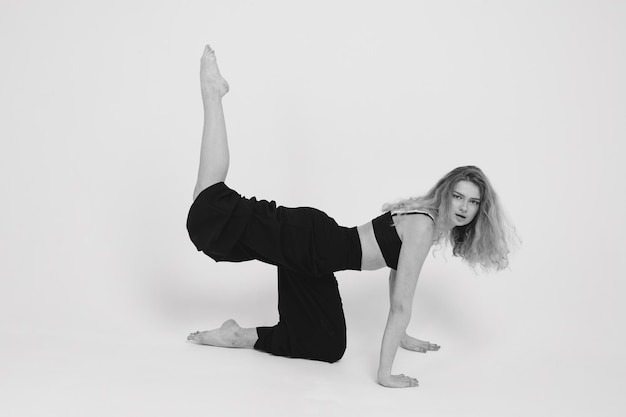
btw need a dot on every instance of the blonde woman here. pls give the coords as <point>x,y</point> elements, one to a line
<point>308,246</point>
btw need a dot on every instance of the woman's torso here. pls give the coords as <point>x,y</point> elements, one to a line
<point>372,255</point>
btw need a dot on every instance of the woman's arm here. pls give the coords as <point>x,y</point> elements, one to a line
<point>416,243</point>
<point>407,342</point>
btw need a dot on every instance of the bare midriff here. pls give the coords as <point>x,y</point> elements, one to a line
<point>372,257</point>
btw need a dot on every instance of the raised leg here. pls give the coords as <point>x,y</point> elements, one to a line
<point>229,335</point>
<point>214,155</point>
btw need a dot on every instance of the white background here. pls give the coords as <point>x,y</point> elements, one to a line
<point>340,105</point>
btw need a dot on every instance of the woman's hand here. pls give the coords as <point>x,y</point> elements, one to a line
<point>397,381</point>
<point>416,345</point>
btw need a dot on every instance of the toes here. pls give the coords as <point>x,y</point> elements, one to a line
<point>208,52</point>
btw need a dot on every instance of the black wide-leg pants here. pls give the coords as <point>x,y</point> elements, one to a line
<point>305,244</point>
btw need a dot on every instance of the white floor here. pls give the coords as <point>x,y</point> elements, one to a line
<point>141,365</point>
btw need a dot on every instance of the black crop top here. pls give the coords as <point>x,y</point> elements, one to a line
<point>387,236</point>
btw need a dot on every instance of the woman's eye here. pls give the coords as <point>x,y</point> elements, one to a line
<point>475,203</point>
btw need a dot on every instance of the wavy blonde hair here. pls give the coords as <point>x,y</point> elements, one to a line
<point>487,240</point>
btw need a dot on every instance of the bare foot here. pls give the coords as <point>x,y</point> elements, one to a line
<point>398,381</point>
<point>411,343</point>
<point>229,335</point>
<point>212,83</point>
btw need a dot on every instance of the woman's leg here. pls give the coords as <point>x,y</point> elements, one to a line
<point>214,156</point>
<point>311,320</point>
<point>214,160</point>
<point>311,323</point>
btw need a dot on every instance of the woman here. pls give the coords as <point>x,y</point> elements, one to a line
<point>307,246</point>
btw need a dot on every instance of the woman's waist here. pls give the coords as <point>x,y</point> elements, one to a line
<point>371,255</point>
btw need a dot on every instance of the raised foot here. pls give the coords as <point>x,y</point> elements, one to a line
<point>212,83</point>
<point>229,335</point>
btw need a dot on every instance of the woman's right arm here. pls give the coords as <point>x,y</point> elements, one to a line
<point>415,246</point>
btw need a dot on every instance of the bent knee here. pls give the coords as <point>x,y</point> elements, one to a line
<point>331,351</point>
<point>197,231</point>
<point>334,356</point>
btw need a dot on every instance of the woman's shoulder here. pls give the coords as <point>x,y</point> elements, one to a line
<point>415,227</point>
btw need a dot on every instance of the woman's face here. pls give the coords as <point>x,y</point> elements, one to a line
<point>465,203</point>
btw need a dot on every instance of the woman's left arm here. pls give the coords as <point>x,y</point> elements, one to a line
<point>416,243</point>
